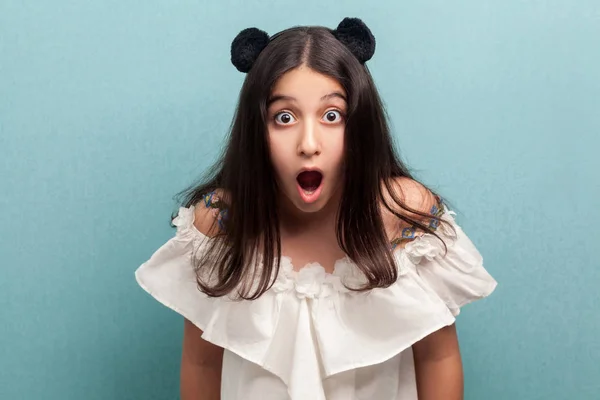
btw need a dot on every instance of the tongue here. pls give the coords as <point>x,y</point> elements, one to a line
<point>309,180</point>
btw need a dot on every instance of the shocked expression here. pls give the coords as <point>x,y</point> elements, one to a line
<point>306,125</point>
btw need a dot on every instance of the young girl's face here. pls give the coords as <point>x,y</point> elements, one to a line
<point>306,123</point>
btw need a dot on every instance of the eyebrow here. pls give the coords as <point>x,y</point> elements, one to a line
<point>279,97</point>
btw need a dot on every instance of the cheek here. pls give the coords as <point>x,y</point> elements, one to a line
<point>279,154</point>
<point>337,148</point>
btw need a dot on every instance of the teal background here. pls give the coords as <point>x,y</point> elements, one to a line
<point>109,108</point>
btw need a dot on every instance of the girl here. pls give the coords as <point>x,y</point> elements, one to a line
<point>311,265</point>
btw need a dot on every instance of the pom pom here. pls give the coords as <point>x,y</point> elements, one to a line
<point>353,33</point>
<point>246,47</point>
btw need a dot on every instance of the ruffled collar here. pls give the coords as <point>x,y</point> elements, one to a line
<point>312,281</point>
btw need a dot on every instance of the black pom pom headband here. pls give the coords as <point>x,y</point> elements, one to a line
<point>352,32</point>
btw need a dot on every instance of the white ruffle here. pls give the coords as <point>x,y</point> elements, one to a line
<point>309,326</point>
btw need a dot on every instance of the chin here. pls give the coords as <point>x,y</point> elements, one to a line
<point>309,208</point>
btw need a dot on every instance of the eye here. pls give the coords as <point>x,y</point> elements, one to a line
<point>284,118</point>
<point>332,116</point>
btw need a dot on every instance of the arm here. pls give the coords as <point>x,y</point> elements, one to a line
<point>201,361</point>
<point>201,364</point>
<point>438,366</point>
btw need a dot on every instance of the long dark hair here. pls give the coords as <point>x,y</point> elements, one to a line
<point>245,173</point>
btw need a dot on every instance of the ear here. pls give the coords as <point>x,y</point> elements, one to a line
<point>246,47</point>
<point>357,37</point>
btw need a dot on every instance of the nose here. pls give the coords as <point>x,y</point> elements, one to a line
<point>309,144</point>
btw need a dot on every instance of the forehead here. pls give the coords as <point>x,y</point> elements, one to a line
<point>304,83</point>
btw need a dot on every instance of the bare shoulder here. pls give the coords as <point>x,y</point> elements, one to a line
<point>208,212</point>
<point>413,195</point>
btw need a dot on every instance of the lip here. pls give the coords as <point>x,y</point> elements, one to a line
<point>310,169</point>
<point>308,199</point>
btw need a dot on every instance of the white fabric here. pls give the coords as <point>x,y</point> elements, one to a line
<point>309,337</point>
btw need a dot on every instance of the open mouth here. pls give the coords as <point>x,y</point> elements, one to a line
<point>309,181</point>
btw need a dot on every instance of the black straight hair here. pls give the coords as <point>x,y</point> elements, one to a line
<point>243,259</point>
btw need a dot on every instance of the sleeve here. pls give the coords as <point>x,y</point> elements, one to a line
<point>169,276</point>
<point>455,273</point>
<point>246,328</point>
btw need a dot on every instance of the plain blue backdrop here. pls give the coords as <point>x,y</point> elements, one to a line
<point>109,108</point>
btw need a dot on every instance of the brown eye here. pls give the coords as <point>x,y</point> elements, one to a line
<point>333,116</point>
<point>284,118</point>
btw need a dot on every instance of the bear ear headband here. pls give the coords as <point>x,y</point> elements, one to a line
<point>352,32</point>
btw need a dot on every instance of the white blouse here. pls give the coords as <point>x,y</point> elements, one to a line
<point>310,338</point>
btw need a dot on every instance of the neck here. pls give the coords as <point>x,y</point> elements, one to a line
<point>293,220</point>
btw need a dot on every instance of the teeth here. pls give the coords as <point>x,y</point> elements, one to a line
<point>309,192</point>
